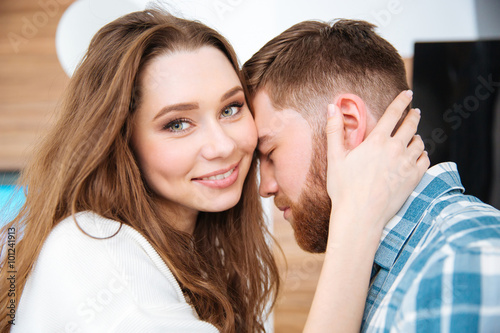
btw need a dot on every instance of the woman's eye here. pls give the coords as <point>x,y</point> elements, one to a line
<point>231,110</point>
<point>178,126</point>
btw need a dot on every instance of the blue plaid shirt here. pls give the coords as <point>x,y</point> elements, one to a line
<point>437,268</point>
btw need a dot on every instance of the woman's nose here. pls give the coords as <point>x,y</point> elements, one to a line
<point>218,143</point>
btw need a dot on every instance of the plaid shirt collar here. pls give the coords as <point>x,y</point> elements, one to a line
<point>437,181</point>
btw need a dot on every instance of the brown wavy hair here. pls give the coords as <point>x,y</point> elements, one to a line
<point>86,162</point>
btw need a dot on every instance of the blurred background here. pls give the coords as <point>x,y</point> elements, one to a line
<point>451,50</point>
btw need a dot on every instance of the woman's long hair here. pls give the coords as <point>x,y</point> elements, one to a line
<point>226,267</point>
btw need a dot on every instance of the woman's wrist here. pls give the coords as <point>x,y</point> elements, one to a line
<point>345,275</point>
<point>353,229</point>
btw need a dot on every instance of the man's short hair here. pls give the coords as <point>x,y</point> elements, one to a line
<point>308,64</point>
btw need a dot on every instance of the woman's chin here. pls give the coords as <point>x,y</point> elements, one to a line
<point>221,206</point>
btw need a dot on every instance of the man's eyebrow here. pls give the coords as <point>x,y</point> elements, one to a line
<point>263,140</point>
<point>176,107</point>
<point>231,92</point>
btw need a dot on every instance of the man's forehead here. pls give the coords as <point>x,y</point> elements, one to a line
<point>263,108</point>
<point>270,121</point>
<point>265,116</point>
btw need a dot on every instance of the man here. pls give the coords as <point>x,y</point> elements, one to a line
<point>437,267</point>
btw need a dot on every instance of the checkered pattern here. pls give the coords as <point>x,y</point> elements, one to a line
<point>437,268</point>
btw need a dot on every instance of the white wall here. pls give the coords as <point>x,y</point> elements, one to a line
<point>401,22</point>
<point>248,24</point>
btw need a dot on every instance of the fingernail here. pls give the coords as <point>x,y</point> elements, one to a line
<point>418,111</point>
<point>331,110</point>
<point>409,93</point>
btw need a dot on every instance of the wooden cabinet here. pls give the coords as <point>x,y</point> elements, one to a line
<point>31,79</point>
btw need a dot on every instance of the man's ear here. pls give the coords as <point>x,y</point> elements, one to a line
<point>355,115</point>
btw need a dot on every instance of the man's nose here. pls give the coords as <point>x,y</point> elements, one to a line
<point>268,184</point>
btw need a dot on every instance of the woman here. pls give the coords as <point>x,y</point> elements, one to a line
<point>134,217</point>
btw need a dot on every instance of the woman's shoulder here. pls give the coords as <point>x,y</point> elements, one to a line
<point>111,240</point>
<point>86,239</point>
<point>88,245</point>
<point>89,236</point>
<point>90,249</point>
<point>87,278</point>
<point>86,223</point>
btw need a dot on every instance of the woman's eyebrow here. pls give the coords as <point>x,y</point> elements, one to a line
<point>176,107</point>
<point>193,106</point>
<point>231,92</point>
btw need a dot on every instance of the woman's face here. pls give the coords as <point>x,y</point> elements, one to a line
<point>193,133</point>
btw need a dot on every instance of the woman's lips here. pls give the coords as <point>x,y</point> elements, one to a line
<point>220,179</point>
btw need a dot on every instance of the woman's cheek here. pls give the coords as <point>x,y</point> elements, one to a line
<point>249,134</point>
<point>171,160</point>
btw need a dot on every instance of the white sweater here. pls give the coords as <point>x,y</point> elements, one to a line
<point>120,284</point>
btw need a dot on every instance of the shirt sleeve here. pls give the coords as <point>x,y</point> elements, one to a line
<point>458,293</point>
<point>81,284</point>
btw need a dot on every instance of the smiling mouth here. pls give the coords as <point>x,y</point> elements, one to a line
<point>219,176</point>
<point>220,179</point>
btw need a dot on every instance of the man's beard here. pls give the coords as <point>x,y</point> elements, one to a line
<point>311,214</point>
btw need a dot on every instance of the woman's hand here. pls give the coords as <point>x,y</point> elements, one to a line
<point>367,185</point>
<point>371,182</point>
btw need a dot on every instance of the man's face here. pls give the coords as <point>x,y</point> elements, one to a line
<point>293,172</point>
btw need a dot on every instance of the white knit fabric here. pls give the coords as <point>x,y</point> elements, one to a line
<point>120,284</point>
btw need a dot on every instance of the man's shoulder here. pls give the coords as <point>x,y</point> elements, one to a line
<point>454,269</point>
<point>452,263</point>
<point>456,273</point>
<point>462,246</point>
<point>464,222</point>
<point>461,228</point>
